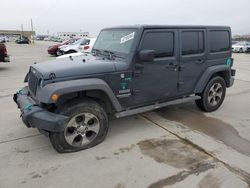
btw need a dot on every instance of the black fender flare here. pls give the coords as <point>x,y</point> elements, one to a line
<point>209,72</point>
<point>71,86</point>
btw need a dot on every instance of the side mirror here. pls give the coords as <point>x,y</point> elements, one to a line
<point>146,55</point>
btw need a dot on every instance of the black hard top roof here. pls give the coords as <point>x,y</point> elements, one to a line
<point>169,27</point>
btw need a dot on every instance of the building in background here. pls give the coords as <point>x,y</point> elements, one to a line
<point>66,35</point>
<point>17,34</point>
<point>241,37</point>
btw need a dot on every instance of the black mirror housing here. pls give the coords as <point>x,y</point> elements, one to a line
<point>146,55</point>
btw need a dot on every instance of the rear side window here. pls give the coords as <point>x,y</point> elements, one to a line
<point>161,42</point>
<point>219,41</point>
<point>192,42</point>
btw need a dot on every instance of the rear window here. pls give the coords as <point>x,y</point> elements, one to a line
<point>192,42</point>
<point>219,41</point>
<point>161,42</point>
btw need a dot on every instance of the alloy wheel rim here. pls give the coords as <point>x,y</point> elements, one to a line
<point>215,94</point>
<point>82,129</point>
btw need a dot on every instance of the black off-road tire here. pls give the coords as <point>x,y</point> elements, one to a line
<point>204,103</point>
<point>71,109</point>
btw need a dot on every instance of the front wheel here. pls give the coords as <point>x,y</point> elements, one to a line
<point>213,95</point>
<point>87,126</point>
<point>58,53</point>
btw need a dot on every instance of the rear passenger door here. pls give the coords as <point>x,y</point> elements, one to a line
<point>192,58</point>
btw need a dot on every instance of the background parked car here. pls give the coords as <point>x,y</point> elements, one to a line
<point>23,40</point>
<point>241,47</point>
<point>76,46</point>
<point>4,39</point>
<point>47,39</point>
<point>88,47</point>
<point>83,50</point>
<point>54,50</point>
<point>56,39</point>
<point>3,53</point>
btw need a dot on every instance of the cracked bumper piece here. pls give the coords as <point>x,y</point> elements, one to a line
<point>37,117</point>
<point>233,71</point>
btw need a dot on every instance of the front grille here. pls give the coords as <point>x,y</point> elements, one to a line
<point>33,82</point>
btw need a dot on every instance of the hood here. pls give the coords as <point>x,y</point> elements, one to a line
<point>77,66</point>
<point>54,46</point>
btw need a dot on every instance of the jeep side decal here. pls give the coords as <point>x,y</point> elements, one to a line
<point>228,62</point>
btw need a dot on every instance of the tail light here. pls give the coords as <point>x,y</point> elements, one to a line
<point>85,47</point>
<point>5,50</point>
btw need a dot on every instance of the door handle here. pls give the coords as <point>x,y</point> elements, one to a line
<point>200,61</point>
<point>171,66</point>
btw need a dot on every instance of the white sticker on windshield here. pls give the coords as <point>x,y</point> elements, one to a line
<point>127,37</point>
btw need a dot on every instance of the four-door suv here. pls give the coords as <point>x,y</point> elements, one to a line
<point>131,70</point>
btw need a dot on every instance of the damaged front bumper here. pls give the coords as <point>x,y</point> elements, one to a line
<point>37,117</point>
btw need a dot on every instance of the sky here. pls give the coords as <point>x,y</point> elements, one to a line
<point>52,16</point>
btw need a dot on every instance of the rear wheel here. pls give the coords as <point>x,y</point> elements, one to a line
<point>240,50</point>
<point>213,95</point>
<point>87,126</point>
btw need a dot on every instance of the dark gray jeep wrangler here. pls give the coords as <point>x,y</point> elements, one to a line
<point>131,70</point>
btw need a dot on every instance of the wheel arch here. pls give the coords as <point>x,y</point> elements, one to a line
<point>219,70</point>
<point>94,88</point>
<point>70,51</point>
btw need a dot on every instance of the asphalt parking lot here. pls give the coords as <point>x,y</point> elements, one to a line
<point>175,146</point>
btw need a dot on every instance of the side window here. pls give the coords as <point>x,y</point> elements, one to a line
<point>192,42</point>
<point>161,42</point>
<point>219,41</point>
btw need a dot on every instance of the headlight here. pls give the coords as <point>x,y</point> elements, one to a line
<point>26,79</point>
<point>40,83</point>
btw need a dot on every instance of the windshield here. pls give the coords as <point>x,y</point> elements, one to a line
<point>116,40</point>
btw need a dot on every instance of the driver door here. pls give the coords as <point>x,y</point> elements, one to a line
<point>157,80</point>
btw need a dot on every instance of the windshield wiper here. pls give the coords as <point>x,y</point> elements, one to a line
<point>112,55</point>
<point>109,54</point>
<point>96,51</point>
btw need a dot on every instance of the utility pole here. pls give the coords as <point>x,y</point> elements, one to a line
<point>21,30</point>
<point>32,29</point>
